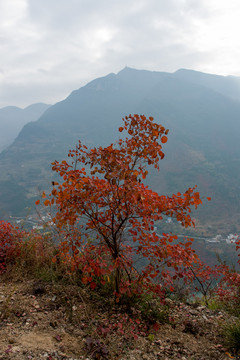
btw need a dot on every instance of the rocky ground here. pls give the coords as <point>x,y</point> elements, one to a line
<point>62,322</point>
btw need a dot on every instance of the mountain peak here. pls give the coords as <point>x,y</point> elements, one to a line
<point>126,69</point>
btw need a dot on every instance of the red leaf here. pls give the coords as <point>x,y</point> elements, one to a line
<point>156,326</point>
<point>164,139</point>
<point>93,285</point>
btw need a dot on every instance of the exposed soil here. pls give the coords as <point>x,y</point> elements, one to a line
<point>54,322</point>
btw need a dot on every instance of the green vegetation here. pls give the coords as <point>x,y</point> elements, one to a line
<point>231,334</point>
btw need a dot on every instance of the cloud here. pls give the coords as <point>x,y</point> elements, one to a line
<point>49,48</point>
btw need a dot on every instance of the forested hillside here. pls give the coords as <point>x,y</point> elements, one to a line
<point>202,113</point>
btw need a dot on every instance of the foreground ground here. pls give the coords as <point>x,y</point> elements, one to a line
<point>40,321</point>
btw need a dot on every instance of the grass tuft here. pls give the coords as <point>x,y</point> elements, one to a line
<point>231,334</point>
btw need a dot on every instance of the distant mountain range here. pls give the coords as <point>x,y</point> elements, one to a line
<point>13,118</point>
<point>201,110</point>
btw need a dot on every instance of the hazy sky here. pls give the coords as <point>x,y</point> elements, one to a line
<point>50,47</point>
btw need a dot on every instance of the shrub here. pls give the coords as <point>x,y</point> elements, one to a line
<point>102,193</point>
<point>10,243</point>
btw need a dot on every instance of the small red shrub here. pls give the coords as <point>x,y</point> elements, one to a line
<point>10,242</point>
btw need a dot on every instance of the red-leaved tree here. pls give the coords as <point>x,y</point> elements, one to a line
<point>102,198</point>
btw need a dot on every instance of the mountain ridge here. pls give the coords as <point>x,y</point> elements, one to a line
<point>13,118</point>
